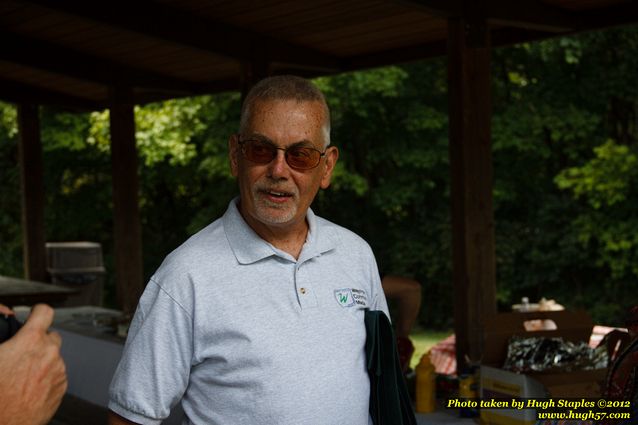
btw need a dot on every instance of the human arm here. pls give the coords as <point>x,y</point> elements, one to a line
<point>32,373</point>
<point>155,365</point>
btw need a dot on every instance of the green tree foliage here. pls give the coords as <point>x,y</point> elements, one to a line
<point>606,221</point>
<point>556,102</point>
<point>564,147</point>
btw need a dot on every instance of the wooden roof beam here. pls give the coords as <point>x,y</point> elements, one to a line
<point>143,97</point>
<point>396,56</point>
<point>500,37</point>
<point>160,21</point>
<point>530,14</point>
<point>438,8</point>
<point>52,58</point>
<point>621,14</point>
<point>538,16</point>
<point>16,92</point>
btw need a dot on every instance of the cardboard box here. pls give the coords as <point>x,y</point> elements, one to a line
<point>575,326</point>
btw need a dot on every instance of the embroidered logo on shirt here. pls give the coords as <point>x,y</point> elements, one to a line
<point>348,297</point>
<point>344,297</point>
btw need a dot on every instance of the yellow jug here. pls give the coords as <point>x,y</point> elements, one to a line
<point>425,385</point>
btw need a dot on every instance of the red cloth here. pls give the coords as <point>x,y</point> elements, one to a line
<point>443,356</point>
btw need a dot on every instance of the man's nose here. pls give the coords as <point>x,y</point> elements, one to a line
<point>278,167</point>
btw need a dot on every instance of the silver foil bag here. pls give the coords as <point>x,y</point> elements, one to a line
<point>536,354</point>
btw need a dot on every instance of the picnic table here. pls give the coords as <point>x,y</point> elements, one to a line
<point>14,291</point>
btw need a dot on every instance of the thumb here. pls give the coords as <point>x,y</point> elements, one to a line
<point>41,318</point>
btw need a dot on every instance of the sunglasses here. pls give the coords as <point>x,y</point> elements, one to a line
<point>297,157</point>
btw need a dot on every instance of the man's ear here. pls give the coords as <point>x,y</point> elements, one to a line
<point>233,152</point>
<point>332,154</point>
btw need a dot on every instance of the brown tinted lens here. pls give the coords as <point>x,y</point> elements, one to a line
<point>259,152</point>
<point>302,158</point>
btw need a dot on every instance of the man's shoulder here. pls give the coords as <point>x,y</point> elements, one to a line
<point>346,238</point>
<point>203,249</point>
<point>209,237</point>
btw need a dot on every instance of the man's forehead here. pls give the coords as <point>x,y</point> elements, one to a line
<point>265,105</point>
<point>309,114</point>
<point>288,119</point>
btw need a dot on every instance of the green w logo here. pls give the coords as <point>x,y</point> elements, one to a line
<point>344,297</point>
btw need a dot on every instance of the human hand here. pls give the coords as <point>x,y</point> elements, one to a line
<point>32,373</point>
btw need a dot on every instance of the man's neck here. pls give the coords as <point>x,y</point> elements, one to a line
<point>287,238</point>
<point>291,243</point>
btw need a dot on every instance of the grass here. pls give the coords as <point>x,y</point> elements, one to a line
<point>423,340</point>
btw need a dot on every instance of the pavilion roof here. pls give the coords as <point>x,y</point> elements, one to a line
<point>74,52</point>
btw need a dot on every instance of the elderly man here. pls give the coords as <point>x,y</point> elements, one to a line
<point>259,317</point>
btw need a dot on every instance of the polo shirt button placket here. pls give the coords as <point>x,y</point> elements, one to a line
<point>306,297</point>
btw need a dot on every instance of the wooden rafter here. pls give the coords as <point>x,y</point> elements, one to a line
<point>57,59</point>
<point>395,56</point>
<point>500,37</point>
<point>530,14</point>
<point>148,96</point>
<point>17,92</point>
<point>439,8</point>
<point>512,33</point>
<point>509,36</point>
<point>164,22</point>
<point>621,14</point>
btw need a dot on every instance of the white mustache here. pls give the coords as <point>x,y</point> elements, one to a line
<point>268,188</point>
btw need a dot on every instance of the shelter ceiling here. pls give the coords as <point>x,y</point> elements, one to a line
<point>72,52</point>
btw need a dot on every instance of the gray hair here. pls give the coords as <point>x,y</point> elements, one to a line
<point>284,87</point>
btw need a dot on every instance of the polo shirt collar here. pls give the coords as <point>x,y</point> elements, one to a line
<point>321,237</point>
<point>248,247</point>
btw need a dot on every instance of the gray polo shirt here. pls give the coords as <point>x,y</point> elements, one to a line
<point>242,333</point>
